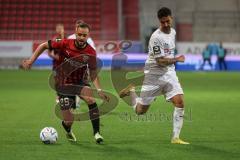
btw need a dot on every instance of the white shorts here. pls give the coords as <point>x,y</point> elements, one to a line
<point>155,85</point>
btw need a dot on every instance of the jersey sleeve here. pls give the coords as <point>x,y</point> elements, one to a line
<point>156,47</point>
<point>57,44</point>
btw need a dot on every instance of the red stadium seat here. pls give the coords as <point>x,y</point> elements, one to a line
<point>35,19</point>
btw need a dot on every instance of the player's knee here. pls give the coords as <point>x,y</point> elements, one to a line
<point>179,103</point>
<point>141,110</point>
<point>87,95</point>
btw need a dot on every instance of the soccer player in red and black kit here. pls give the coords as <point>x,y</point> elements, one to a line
<point>74,53</point>
<point>55,55</point>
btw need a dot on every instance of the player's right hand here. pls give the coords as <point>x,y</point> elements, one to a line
<point>57,57</point>
<point>26,64</point>
<point>103,96</point>
<point>181,58</point>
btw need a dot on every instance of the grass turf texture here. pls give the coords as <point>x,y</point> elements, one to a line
<point>211,125</point>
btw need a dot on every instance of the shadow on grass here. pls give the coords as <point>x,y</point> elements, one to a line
<point>210,151</point>
<point>113,150</point>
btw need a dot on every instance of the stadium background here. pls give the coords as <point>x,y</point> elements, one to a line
<point>198,23</point>
<point>212,98</point>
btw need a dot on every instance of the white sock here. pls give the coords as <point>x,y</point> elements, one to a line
<point>177,121</point>
<point>78,101</point>
<point>134,98</point>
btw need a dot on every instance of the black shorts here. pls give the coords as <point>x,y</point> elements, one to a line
<point>67,102</point>
<point>67,95</point>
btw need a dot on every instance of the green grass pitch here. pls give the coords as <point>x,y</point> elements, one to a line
<point>212,103</point>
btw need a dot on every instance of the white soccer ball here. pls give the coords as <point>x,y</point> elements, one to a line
<point>48,135</point>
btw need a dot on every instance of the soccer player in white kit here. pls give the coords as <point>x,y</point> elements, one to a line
<point>160,76</point>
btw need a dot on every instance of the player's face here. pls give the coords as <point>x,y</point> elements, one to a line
<point>82,35</point>
<point>166,24</point>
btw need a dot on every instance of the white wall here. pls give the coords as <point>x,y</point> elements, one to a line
<point>216,5</point>
<point>212,20</point>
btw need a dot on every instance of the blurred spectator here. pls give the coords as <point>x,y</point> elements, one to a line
<point>221,54</point>
<point>59,32</point>
<point>213,48</point>
<point>206,57</point>
<point>57,37</point>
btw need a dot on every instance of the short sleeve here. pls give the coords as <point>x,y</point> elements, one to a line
<point>57,44</point>
<point>156,47</point>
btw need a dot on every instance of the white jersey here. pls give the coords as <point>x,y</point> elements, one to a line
<point>89,40</point>
<point>160,45</point>
<point>160,80</point>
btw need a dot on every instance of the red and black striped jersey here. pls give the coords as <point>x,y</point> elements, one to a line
<point>73,61</point>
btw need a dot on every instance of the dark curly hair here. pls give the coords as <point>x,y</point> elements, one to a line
<point>164,12</point>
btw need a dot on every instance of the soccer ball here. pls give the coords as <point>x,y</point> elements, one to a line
<point>48,135</point>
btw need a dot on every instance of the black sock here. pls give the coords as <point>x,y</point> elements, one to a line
<point>94,117</point>
<point>67,128</point>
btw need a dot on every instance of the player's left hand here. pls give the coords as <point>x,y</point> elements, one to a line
<point>26,64</point>
<point>180,58</point>
<point>103,96</point>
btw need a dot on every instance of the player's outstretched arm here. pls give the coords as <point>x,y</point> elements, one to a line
<point>27,63</point>
<point>163,61</point>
